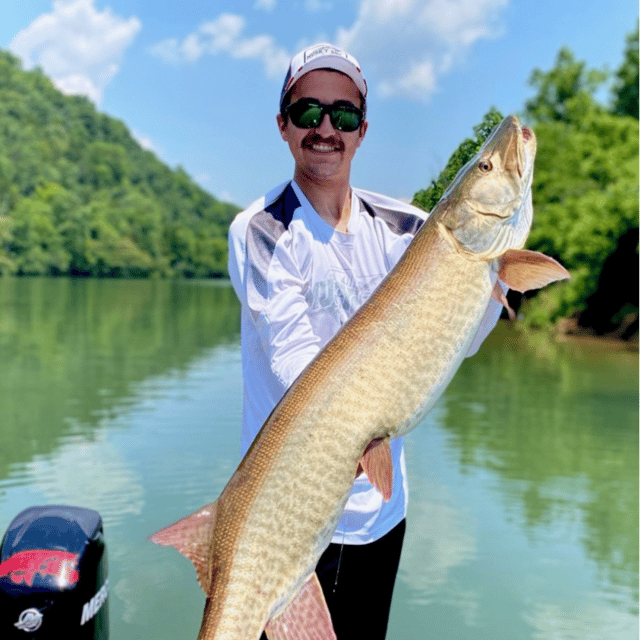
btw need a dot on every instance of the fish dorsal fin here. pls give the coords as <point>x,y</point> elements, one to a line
<point>191,537</point>
<point>377,464</point>
<point>306,617</point>
<point>523,270</point>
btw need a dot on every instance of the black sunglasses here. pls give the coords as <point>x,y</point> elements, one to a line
<point>308,113</point>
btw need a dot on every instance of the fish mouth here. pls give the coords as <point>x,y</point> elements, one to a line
<point>491,214</point>
<point>517,153</point>
<point>526,148</point>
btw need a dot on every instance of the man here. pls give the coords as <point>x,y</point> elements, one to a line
<point>302,259</point>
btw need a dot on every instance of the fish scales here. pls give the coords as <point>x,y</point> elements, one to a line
<point>333,434</point>
<point>384,385</point>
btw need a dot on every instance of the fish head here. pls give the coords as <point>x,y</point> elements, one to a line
<point>487,208</point>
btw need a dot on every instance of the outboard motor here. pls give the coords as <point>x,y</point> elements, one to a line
<point>53,575</point>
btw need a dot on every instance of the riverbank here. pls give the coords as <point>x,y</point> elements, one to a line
<point>625,336</point>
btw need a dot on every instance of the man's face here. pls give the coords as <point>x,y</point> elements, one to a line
<point>323,153</point>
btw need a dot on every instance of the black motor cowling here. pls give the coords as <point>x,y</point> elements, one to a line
<point>53,575</point>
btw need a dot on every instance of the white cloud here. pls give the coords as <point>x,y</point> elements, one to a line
<point>407,45</point>
<point>226,196</point>
<point>203,178</point>
<point>318,5</point>
<point>265,5</point>
<point>309,5</point>
<point>145,141</point>
<point>79,47</point>
<point>420,79</point>
<point>225,35</point>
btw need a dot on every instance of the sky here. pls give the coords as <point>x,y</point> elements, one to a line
<point>198,82</point>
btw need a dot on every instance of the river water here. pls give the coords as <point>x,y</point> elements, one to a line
<point>125,397</point>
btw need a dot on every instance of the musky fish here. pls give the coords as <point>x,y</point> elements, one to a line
<point>255,549</point>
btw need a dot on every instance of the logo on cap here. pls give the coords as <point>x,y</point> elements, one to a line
<point>323,50</point>
<point>30,620</point>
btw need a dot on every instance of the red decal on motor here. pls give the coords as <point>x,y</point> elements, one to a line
<point>22,567</point>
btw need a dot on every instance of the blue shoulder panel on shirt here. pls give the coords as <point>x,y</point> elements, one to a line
<point>263,232</point>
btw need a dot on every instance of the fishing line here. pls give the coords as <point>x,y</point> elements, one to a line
<point>344,532</point>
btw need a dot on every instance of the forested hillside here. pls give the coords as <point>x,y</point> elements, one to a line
<point>585,191</point>
<point>79,196</point>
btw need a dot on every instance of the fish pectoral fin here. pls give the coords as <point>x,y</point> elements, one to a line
<point>523,270</point>
<point>306,617</point>
<point>191,537</point>
<point>376,463</point>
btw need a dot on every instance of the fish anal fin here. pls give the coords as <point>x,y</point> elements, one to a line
<point>306,617</point>
<point>191,537</point>
<point>376,463</point>
<point>523,270</point>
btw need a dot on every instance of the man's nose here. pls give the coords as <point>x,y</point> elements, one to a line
<point>325,127</point>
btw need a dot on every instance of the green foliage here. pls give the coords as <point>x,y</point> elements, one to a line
<point>428,198</point>
<point>565,93</point>
<point>625,90</point>
<point>585,197</point>
<point>585,191</point>
<point>79,196</point>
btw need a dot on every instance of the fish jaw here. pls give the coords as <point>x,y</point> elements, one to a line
<point>487,210</point>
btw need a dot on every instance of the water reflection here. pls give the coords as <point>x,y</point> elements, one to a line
<point>588,620</point>
<point>71,350</point>
<point>556,423</point>
<point>524,497</point>
<point>107,392</point>
<point>95,473</point>
<point>443,540</point>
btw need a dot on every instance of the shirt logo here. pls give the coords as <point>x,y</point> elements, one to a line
<point>341,294</point>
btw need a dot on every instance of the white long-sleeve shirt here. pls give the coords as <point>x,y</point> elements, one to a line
<point>299,280</point>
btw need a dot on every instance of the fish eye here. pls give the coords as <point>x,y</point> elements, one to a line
<point>485,165</point>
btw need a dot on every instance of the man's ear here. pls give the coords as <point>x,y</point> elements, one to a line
<point>282,127</point>
<point>363,129</point>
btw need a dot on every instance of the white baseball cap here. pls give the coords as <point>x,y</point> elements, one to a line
<point>323,56</point>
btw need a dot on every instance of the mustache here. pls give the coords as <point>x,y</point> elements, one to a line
<point>314,138</point>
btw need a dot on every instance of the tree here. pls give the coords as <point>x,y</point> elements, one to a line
<point>428,198</point>
<point>585,195</point>
<point>565,92</point>
<point>78,195</point>
<point>625,90</point>
<point>36,243</point>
